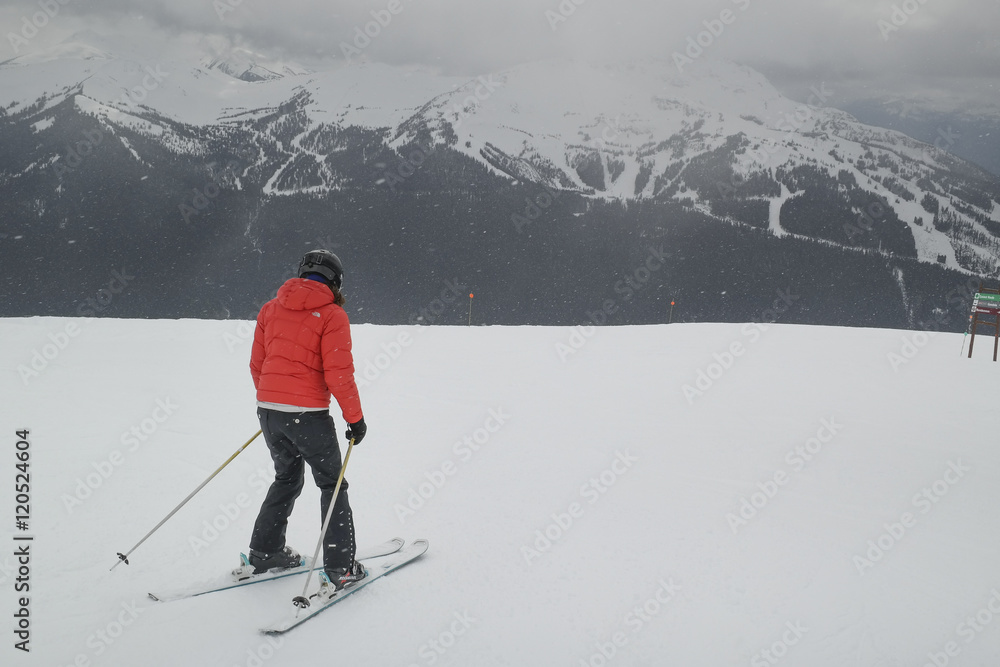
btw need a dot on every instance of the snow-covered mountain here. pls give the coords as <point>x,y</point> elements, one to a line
<point>715,135</point>
<point>718,141</point>
<point>965,128</point>
<point>248,66</point>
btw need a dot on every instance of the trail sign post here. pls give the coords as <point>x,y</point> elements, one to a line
<point>986,313</point>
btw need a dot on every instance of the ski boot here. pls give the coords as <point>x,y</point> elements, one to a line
<point>259,562</point>
<point>337,579</point>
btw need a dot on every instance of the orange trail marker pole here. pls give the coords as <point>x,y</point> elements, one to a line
<point>471,297</point>
<point>670,317</point>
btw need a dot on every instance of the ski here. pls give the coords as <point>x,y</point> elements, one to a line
<point>377,567</point>
<point>242,576</point>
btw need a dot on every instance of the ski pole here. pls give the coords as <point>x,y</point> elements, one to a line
<point>123,558</point>
<point>302,601</point>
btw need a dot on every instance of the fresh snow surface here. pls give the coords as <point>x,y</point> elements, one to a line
<point>578,505</point>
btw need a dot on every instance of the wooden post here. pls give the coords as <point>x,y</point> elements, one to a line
<point>972,329</point>
<point>996,336</point>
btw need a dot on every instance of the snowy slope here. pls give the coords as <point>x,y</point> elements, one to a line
<point>636,480</point>
<point>556,111</point>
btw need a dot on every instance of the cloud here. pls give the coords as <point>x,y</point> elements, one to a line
<point>859,42</point>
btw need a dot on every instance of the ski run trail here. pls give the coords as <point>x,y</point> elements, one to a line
<point>691,494</point>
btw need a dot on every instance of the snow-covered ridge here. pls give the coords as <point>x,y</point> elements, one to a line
<point>251,67</point>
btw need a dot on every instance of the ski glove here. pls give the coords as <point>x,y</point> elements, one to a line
<point>357,431</point>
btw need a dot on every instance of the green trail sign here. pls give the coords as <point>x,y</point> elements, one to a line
<point>986,313</point>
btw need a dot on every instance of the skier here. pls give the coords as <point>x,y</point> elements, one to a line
<point>301,355</point>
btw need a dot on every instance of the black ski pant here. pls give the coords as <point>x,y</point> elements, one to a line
<point>296,438</point>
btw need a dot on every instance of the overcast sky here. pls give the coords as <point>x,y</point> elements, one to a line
<point>853,45</point>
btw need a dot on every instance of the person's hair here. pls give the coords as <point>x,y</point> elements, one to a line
<point>338,296</point>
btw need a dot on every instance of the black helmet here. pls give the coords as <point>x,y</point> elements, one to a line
<point>325,263</point>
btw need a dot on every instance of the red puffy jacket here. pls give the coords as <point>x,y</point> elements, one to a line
<point>302,350</point>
